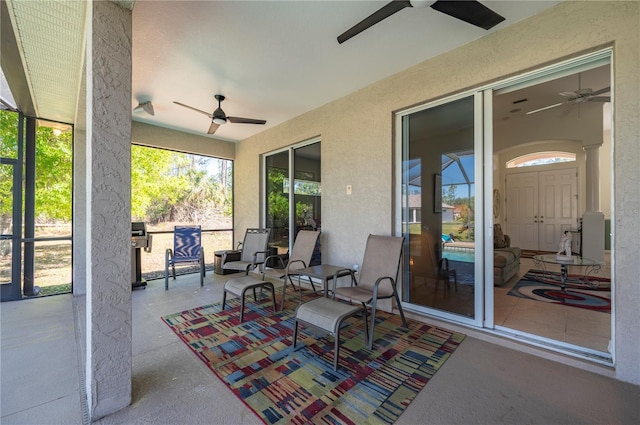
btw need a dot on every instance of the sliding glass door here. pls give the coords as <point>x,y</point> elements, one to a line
<point>440,175</point>
<point>291,207</point>
<point>491,182</point>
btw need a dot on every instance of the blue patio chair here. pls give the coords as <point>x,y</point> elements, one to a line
<point>187,250</point>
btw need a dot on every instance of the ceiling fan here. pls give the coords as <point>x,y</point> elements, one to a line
<point>578,96</point>
<point>144,106</point>
<point>219,117</point>
<point>472,12</point>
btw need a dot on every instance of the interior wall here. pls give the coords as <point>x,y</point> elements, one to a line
<point>357,138</point>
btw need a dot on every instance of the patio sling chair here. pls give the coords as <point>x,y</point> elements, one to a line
<point>253,253</point>
<point>438,269</point>
<point>377,277</point>
<point>299,258</point>
<point>187,249</point>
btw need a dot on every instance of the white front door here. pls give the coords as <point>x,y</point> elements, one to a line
<point>521,216</point>
<point>558,206</point>
<point>541,205</point>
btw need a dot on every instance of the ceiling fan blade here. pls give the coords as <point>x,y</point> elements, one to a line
<point>600,99</point>
<point>212,128</point>
<point>238,120</point>
<point>602,90</point>
<point>148,108</point>
<point>194,109</point>
<point>570,94</point>
<point>472,12</point>
<point>546,107</point>
<point>377,16</point>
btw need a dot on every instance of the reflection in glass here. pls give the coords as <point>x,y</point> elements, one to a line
<point>277,197</point>
<point>438,208</point>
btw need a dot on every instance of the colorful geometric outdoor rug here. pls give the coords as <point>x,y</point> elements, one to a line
<point>255,360</point>
<point>544,286</point>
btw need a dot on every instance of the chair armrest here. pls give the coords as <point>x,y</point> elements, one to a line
<point>288,268</point>
<point>338,272</point>
<point>255,257</point>
<point>275,256</point>
<point>377,283</point>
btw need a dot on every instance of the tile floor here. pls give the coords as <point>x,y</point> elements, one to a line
<point>572,325</point>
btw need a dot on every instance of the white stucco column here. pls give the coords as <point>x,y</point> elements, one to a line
<point>592,166</point>
<point>108,208</point>
<point>593,218</point>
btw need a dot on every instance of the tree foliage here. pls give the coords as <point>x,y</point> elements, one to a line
<point>54,164</point>
<point>54,175</point>
<point>166,185</point>
<point>178,187</point>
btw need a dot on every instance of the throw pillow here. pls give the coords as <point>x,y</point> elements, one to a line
<point>498,237</point>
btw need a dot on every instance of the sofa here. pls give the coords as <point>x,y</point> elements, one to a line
<point>506,258</point>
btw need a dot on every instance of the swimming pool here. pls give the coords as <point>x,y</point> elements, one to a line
<point>465,255</point>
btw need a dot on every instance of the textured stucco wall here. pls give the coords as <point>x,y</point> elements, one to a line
<point>108,185</point>
<point>357,139</point>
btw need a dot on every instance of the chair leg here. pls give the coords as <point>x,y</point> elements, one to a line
<point>336,349</point>
<point>373,323</point>
<point>202,271</point>
<point>224,299</point>
<point>404,321</point>
<point>284,291</point>
<point>166,277</point>
<point>455,280</point>
<point>312,285</point>
<point>366,324</point>
<point>273,295</point>
<point>167,259</point>
<point>295,335</point>
<point>242,305</point>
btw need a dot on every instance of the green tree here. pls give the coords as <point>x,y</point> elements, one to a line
<point>172,186</point>
<point>54,175</point>
<point>277,201</point>
<point>449,195</point>
<point>8,149</point>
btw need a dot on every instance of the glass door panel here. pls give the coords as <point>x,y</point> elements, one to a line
<point>307,194</point>
<point>294,206</point>
<point>277,200</point>
<point>439,208</point>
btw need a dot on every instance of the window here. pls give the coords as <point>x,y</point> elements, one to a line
<point>541,158</point>
<point>174,188</point>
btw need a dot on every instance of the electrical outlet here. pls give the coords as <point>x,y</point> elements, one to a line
<point>348,189</point>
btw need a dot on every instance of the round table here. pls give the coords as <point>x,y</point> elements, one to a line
<point>591,266</point>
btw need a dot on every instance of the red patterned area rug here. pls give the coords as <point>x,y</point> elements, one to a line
<point>592,293</point>
<point>255,360</point>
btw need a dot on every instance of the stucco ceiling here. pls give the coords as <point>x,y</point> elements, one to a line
<point>273,60</point>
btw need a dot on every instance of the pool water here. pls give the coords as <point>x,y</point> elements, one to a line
<point>467,256</point>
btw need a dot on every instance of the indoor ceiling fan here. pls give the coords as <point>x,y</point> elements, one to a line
<point>578,96</point>
<point>472,12</point>
<point>219,117</point>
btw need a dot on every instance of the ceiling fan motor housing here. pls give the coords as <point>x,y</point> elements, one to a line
<point>219,117</point>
